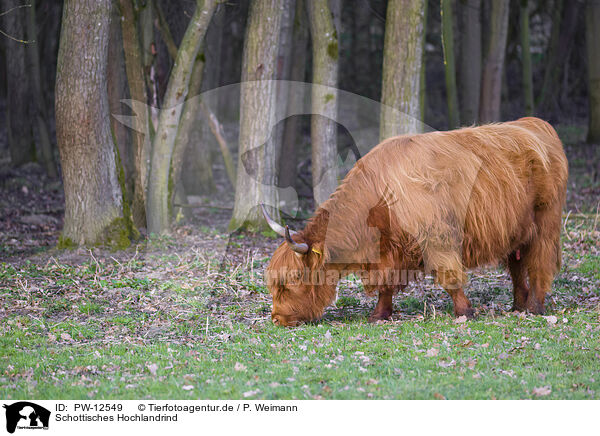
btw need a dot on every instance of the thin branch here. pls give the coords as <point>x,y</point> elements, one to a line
<point>163,28</point>
<point>217,130</point>
<point>12,37</point>
<point>12,9</point>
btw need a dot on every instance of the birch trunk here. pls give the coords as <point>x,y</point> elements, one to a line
<point>402,64</point>
<point>255,183</point>
<point>324,101</point>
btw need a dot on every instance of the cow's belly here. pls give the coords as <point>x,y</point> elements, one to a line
<point>492,238</point>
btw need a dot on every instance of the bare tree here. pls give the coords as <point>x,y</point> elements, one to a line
<point>402,64</point>
<point>323,130</point>
<point>93,195</point>
<point>493,70</point>
<point>255,182</point>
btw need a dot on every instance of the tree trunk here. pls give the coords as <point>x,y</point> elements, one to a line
<point>469,72</point>
<point>423,84</point>
<point>141,136</point>
<point>284,67</point>
<point>41,115</point>
<point>188,136</point>
<point>324,101</point>
<point>93,195</point>
<point>20,138</point>
<point>402,63</point>
<point>117,91</point>
<point>526,58</point>
<point>449,68</point>
<point>493,70</point>
<point>197,171</point>
<point>48,49</point>
<point>291,134</point>
<point>148,45</point>
<point>592,35</point>
<point>166,132</point>
<point>255,182</point>
<point>559,51</point>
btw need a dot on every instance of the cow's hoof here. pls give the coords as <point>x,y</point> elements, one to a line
<point>380,316</point>
<point>469,312</point>
<point>536,309</point>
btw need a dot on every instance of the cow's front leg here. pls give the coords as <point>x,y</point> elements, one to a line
<point>384,307</point>
<point>451,281</point>
<point>462,305</point>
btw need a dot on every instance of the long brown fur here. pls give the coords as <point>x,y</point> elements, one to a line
<point>440,202</point>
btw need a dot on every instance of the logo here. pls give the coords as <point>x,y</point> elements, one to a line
<point>26,415</point>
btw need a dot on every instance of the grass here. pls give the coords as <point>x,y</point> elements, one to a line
<point>175,323</point>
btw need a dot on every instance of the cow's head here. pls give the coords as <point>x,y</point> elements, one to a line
<point>300,281</point>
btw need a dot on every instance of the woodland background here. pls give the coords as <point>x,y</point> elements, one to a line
<point>132,249</point>
<point>72,70</point>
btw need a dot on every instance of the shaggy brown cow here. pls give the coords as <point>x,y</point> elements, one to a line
<point>437,202</point>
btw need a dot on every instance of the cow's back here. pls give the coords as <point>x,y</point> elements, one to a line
<point>475,188</point>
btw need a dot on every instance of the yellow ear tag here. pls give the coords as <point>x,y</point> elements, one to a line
<point>314,250</point>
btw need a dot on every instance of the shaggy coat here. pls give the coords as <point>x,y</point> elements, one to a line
<point>439,202</point>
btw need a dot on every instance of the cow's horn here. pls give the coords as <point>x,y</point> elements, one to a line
<point>276,227</point>
<point>298,247</point>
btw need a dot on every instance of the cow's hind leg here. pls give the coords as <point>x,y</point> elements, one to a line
<point>543,259</point>
<point>384,307</point>
<point>518,272</point>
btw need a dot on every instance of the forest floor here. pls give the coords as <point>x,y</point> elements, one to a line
<point>188,316</point>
